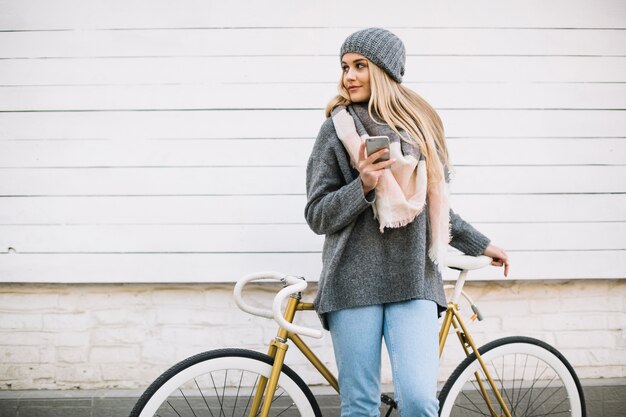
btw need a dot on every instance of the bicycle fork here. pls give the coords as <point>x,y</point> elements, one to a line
<point>452,318</point>
<point>277,351</point>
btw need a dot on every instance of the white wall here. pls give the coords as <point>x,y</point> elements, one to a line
<point>93,336</point>
<point>165,142</point>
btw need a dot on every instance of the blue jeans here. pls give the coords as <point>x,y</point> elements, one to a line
<point>410,329</point>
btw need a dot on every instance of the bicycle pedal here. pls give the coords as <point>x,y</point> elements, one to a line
<point>385,399</point>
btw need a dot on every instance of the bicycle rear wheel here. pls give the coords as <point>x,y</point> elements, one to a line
<point>221,383</point>
<point>533,378</point>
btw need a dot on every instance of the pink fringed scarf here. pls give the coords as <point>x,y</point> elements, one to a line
<point>402,190</point>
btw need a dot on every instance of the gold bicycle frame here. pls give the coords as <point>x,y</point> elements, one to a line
<point>278,349</point>
<point>453,318</point>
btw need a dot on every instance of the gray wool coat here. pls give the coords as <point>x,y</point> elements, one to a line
<point>361,265</point>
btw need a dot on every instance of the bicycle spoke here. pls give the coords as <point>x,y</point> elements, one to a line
<point>549,413</point>
<point>495,369</point>
<point>217,395</point>
<point>272,402</point>
<point>542,391</point>
<point>177,413</point>
<point>513,381</point>
<point>476,389</point>
<point>521,383</point>
<point>532,386</point>
<point>203,397</point>
<point>277,415</point>
<point>475,411</point>
<point>187,401</point>
<point>250,397</point>
<point>281,394</point>
<point>224,388</point>
<point>552,413</point>
<point>237,396</point>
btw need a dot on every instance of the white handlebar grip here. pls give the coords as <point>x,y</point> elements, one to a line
<point>263,312</point>
<point>295,285</point>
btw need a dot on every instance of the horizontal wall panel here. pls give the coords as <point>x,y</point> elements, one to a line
<point>36,14</point>
<point>291,180</point>
<point>290,152</point>
<point>153,210</point>
<point>290,209</point>
<point>304,41</point>
<point>153,181</point>
<point>162,153</point>
<point>532,151</point>
<point>541,208</point>
<point>542,123</point>
<point>180,268</point>
<point>276,95</point>
<point>176,268</point>
<point>86,71</point>
<point>160,238</point>
<point>294,124</point>
<point>540,179</point>
<point>165,124</point>
<point>285,238</point>
<point>555,265</point>
<point>555,236</point>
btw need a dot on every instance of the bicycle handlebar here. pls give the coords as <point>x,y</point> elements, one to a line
<point>241,282</point>
<point>467,262</point>
<point>293,285</point>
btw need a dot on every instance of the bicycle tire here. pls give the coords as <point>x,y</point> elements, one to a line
<point>202,382</point>
<point>534,378</point>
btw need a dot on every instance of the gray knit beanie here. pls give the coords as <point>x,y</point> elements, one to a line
<point>381,47</point>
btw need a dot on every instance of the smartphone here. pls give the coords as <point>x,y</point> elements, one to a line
<point>376,143</point>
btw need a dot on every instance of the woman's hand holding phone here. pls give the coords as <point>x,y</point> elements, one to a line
<point>369,169</point>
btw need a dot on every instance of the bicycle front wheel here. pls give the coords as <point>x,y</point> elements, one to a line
<point>221,383</point>
<point>533,378</point>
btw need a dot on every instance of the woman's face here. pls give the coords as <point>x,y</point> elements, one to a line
<point>356,77</point>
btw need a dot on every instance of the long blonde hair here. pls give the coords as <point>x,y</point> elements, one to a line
<point>403,109</point>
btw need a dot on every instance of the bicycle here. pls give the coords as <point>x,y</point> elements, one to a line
<point>512,376</point>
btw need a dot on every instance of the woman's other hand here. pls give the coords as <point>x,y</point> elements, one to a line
<point>369,170</point>
<point>499,257</point>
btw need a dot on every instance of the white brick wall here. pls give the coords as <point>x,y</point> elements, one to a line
<point>123,336</point>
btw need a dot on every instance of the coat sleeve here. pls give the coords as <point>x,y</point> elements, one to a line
<point>465,237</point>
<point>332,202</point>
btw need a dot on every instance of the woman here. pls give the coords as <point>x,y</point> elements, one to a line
<point>377,285</point>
